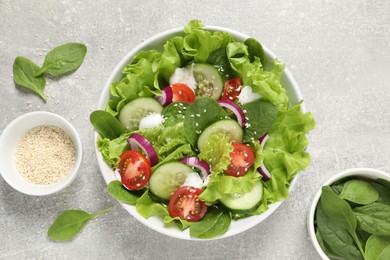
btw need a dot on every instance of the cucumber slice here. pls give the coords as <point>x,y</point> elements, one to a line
<point>132,113</point>
<point>229,127</point>
<point>247,202</point>
<point>167,178</point>
<point>208,81</point>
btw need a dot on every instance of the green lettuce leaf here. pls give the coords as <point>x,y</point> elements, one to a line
<point>265,83</point>
<point>112,149</point>
<point>284,152</point>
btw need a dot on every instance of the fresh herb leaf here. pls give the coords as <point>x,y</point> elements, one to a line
<point>63,59</point>
<point>106,124</point>
<point>116,190</point>
<point>335,239</point>
<point>378,248</point>
<point>360,192</point>
<point>260,116</point>
<point>374,218</point>
<point>174,113</point>
<point>255,49</point>
<point>215,223</point>
<point>70,223</point>
<point>384,193</point>
<point>199,115</point>
<point>23,71</point>
<point>147,207</point>
<point>339,212</point>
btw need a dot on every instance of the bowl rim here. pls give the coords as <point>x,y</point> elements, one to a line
<point>34,189</point>
<point>364,172</point>
<point>105,95</point>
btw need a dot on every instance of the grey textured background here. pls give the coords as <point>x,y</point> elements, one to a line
<point>338,51</point>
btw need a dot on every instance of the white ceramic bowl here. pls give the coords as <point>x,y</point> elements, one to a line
<point>157,42</point>
<point>8,143</point>
<point>365,173</point>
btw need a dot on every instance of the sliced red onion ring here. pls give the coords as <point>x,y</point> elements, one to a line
<point>263,139</point>
<point>203,166</point>
<point>137,141</point>
<point>235,109</point>
<point>166,96</point>
<point>264,172</point>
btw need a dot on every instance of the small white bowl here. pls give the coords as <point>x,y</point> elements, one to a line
<point>156,42</point>
<point>8,143</point>
<point>365,173</point>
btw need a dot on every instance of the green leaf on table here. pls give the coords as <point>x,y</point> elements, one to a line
<point>360,192</point>
<point>106,124</point>
<point>215,223</point>
<point>374,218</point>
<point>116,190</point>
<point>378,248</point>
<point>70,223</point>
<point>63,59</point>
<point>23,72</point>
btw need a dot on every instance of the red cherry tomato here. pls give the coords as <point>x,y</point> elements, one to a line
<point>185,204</point>
<point>231,89</point>
<point>135,170</point>
<point>242,159</point>
<point>182,93</point>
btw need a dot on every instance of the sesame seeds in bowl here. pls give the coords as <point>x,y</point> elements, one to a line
<point>41,153</point>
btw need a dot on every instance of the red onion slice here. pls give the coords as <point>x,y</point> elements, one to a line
<point>263,139</point>
<point>235,109</point>
<point>137,141</point>
<point>264,172</point>
<point>203,166</point>
<point>166,96</point>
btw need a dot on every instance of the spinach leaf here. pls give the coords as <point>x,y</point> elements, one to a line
<point>23,71</point>
<point>384,193</point>
<point>219,59</point>
<point>63,59</point>
<point>116,190</point>
<point>215,223</point>
<point>174,113</point>
<point>338,239</point>
<point>147,207</point>
<point>255,49</point>
<point>70,223</point>
<point>260,116</point>
<point>339,212</point>
<point>106,124</point>
<point>378,248</point>
<point>199,115</point>
<point>374,218</point>
<point>384,182</point>
<point>325,247</point>
<point>360,192</point>
<point>337,189</point>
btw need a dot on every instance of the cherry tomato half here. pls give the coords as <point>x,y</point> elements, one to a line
<point>182,93</point>
<point>185,204</point>
<point>242,158</point>
<point>231,89</point>
<point>135,170</point>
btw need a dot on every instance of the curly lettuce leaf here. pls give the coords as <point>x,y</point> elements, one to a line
<point>265,83</point>
<point>284,152</point>
<point>112,149</point>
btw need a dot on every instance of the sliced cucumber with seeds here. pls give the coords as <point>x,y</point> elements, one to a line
<point>132,113</point>
<point>247,202</point>
<point>167,178</point>
<point>208,80</point>
<point>229,127</point>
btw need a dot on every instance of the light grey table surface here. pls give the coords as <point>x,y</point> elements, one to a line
<point>338,52</point>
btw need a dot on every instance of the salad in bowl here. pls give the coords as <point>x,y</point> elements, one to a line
<point>200,132</point>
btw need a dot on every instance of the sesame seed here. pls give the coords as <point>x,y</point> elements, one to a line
<point>45,155</point>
